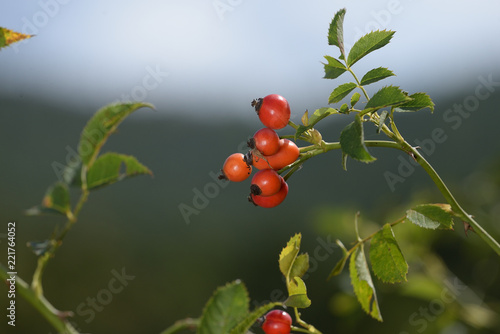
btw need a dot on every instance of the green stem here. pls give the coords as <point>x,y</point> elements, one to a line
<point>359,83</point>
<point>188,323</point>
<point>407,148</point>
<point>455,206</point>
<point>43,260</point>
<point>49,312</point>
<point>309,328</point>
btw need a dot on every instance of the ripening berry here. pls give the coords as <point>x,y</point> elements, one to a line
<point>273,111</point>
<point>288,153</point>
<point>235,168</point>
<point>265,182</point>
<point>266,141</point>
<point>273,200</point>
<point>277,322</point>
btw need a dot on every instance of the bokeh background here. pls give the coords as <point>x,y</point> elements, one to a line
<point>201,63</point>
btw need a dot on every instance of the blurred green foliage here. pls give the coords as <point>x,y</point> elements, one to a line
<point>176,266</point>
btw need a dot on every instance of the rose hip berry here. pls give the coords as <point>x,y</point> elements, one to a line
<point>235,168</point>
<point>273,111</point>
<point>266,141</point>
<point>277,322</point>
<point>265,182</point>
<point>288,153</point>
<point>273,200</point>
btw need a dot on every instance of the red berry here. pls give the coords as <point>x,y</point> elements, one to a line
<point>265,182</point>
<point>235,168</point>
<point>265,140</point>
<point>288,153</point>
<point>277,322</point>
<point>273,200</point>
<point>273,111</point>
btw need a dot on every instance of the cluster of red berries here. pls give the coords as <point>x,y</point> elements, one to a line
<point>268,153</point>
<point>277,322</point>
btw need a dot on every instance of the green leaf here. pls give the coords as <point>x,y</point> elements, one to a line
<point>341,91</point>
<point>8,37</point>
<point>362,283</point>
<point>317,116</point>
<point>388,262</point>
<point>245,324</point>
<point>385,97</point>
<point>297,294</point>
<point>419,101</point>
<point>288,255</point>
<point>354,99</point>
<point>300,265</point>
<point>225,310</point>
<point>56,200</point>
<point>341,263</point>
<point>375,75</point>
<point>431,216</point>
<point>101,126</point>
<point>383,117</point>
<point>368,43</point>
<point>334,68</point>
<point>107,169</point>
<point>352,141</point>
<point>336,31</point>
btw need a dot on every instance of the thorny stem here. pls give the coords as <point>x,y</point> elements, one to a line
<point>36,284</point>
<point>56,318</point>
<point>313,150</point>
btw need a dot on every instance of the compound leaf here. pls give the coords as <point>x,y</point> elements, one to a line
<point>334,68</point>
<point>341,263</point>
<point>368,43</point>
<point>362,283</point>
<point>431,216</point>
<point>107,169</point>
<point>336,31</point>
<point>314,118</point>
<point>419,101</point>
<point>101,126</point>
<point>341,91</point>
<point>8,37</point>
<point>56,200</point>
<point>375,75</point>
<point>385,97</point>
<point>388,262</point>
<point>352,141</point>
<point>297,294</point>
<point>227,307</point>
<point>288,255</point>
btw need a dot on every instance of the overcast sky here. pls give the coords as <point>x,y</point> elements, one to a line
<point>202,56</point>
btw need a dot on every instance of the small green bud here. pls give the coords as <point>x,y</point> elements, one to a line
<point>354,99</point>
<point>316,136</point>
<point>344,109</point>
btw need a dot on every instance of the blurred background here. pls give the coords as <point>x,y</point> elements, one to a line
<point>201,63</point>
